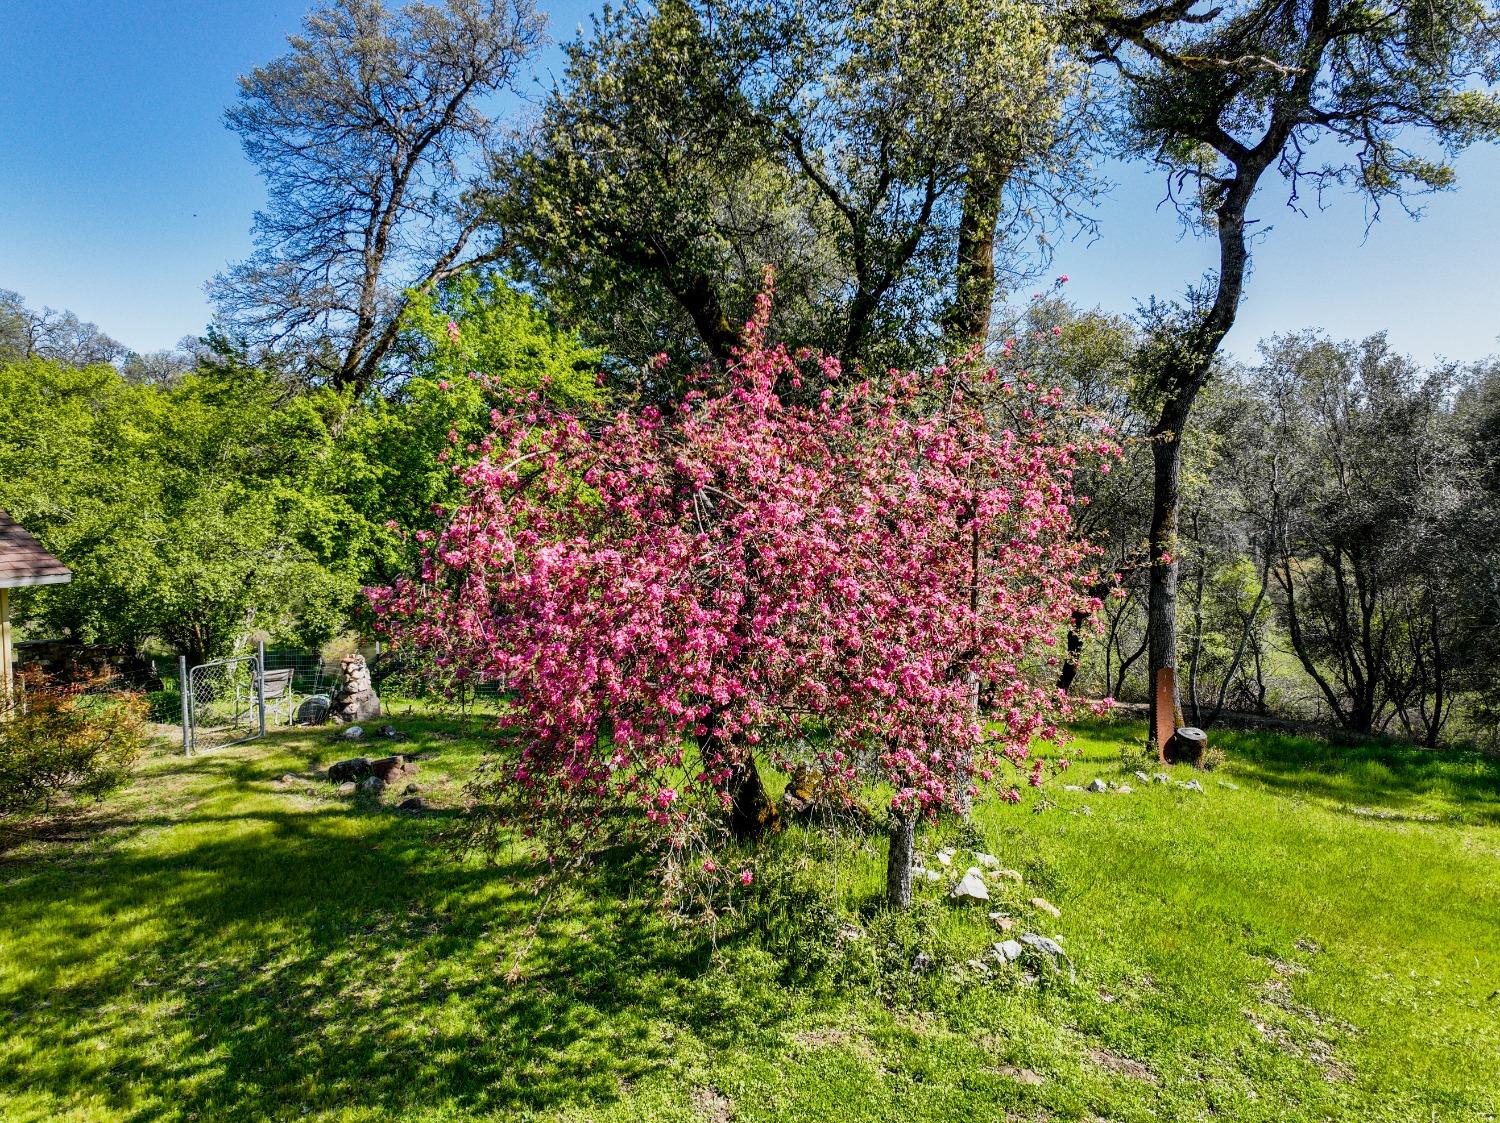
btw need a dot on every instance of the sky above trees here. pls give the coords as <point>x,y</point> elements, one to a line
<point>122,193</point>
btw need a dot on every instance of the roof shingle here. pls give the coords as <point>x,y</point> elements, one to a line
<point>23,561</point>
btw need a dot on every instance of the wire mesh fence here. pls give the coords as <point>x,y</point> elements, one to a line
<point>219,706</point>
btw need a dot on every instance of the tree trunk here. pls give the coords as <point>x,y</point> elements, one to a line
<point>752,813</point>
<point>968,319</point>
<point>1161,594</point>
<point>899,861</point>
<point>1075,652</point>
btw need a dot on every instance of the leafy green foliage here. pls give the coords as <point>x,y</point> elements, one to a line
<point>190,512</point>
<point>223,502</point>
<point>482,323</point>
<point>844,142</point>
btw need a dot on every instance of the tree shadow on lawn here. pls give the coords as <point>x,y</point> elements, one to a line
<point>298,958</point>
<point>1461,785</point>
<point>1376,773</point>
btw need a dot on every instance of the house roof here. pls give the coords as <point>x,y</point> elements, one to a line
<point>23,561</point>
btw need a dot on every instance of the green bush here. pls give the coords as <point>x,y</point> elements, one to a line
<point>61,747</point>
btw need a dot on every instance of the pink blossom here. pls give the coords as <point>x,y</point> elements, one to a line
<point>695,585</point>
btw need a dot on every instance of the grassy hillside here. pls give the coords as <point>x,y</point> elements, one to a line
<point>1320,940</point>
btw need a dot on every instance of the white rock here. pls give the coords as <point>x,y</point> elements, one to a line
<point>988,861</point>
<point>1191,786</point>
<point>971,888</point>
<point>353,733</point>
<point>1126,789</point>
<point>1072,788</point>
<point>1098,785</point>
<point>932,875</point>
<point>945,857</point>
<point>1142,777</point>
<point>1227,784</point>
<point>1161,777</point>
<point>1006,951</point>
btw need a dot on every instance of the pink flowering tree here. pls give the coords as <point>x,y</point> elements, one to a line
<point>762,580</point>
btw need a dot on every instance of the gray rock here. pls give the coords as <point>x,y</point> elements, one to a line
<point>1125,789</point>
<point>921,964</point>
<point>364,706</point>
<point>288,778</point>
<point>1141,776</point>
<point>389,731</point>
<point>1006,951</point>
<point>1191,786</point>
<point>355,768</point>
<point>1050,950</point>
<point>1098,785</point>
<point>1161,777</point>
<point>1227,784</point>
<point>971,888</point>
<point>932,875</point>
<point>347,788</point>
<point>415,803</point>
<point>979,967</point>
<point>373,785</point>
<point>413,789</point>
<point>1072,788</point>
<point>353,733</point>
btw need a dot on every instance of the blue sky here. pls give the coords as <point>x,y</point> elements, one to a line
<point>121,193</point>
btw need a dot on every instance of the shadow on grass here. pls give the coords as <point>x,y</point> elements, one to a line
<point>1381,774</point>
<point>1389,779</point>
<point>331,956</point>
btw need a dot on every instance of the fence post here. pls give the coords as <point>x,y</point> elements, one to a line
<point>260,683</point>
<point>183,686</point>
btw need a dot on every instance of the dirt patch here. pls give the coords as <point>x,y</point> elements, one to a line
<point>837,1037</point>
<point>712,1105</point>
<point>1295,1029</point>
<point>1121,1066</point>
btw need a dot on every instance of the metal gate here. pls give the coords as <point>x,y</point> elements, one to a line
<point>223,701</point>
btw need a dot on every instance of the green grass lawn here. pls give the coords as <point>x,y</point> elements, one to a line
<point>1321,941</point>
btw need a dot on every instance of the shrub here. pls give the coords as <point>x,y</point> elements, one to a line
<point>61,747</point>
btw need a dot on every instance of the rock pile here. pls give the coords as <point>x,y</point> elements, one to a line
<point>356,700</point>
<point>386,770</point>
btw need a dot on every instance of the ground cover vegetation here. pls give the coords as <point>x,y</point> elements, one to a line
<point>230,936</point>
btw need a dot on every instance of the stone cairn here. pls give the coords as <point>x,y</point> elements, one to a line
<point>356,700</point>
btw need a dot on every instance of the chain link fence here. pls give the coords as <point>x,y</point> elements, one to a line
<point>223,703</point>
